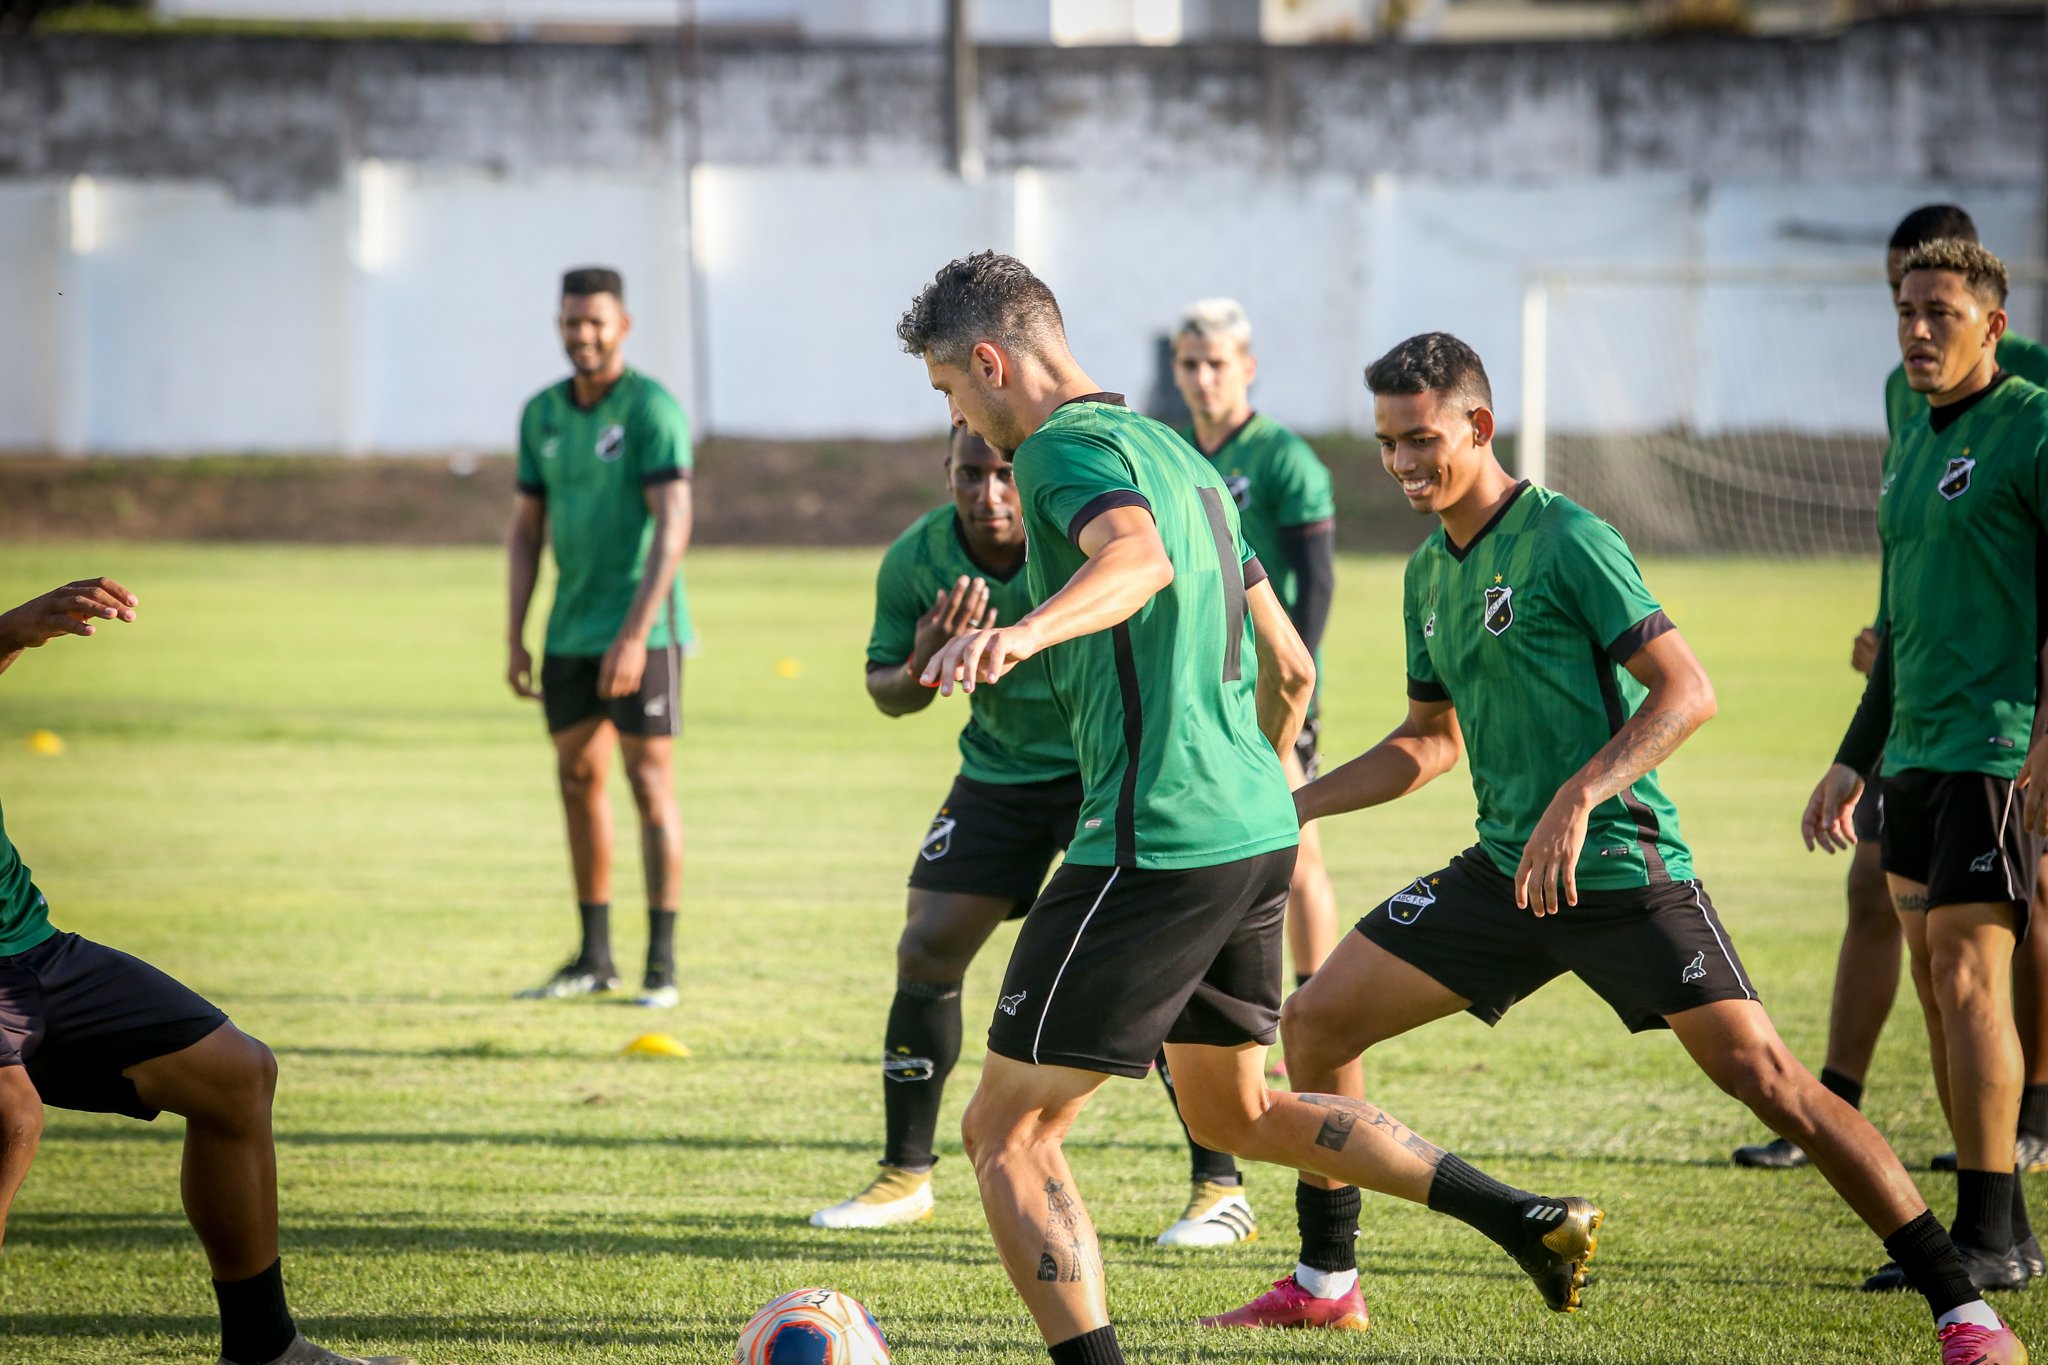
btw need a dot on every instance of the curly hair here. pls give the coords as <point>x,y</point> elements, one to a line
<point>1982,272</point>
<point>984,297</point>
<point>1434,362</point>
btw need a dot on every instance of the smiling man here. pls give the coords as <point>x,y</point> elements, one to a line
<point>1536,652</point>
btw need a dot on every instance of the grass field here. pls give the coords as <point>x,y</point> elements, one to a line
<point>298,784</point>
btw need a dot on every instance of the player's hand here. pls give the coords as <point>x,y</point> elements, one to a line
<point>2034,781</point>
<point>69,610</point>
<point>1550,860</point>
<point>624,662</point>
<point>1863,654</point>
<point>978,656</point>
<point>519,672</point>
<point>956,610</point>
<point>1830,820</point>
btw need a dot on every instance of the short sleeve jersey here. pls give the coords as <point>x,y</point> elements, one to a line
<point>1175,771</point>
<point>1015,731</point>
<point>24,914</point>
<point>594,465</point>
<point>1525,631</point>
<point>2018,355</point>
<point>1960,516</point>
<point>1277,482</point>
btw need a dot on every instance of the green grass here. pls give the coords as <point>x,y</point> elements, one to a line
<point>298,784</point>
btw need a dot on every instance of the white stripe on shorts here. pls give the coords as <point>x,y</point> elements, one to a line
<point>1740,980</point>
<point>1046,1008</point>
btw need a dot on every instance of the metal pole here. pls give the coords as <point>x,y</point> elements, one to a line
<point>963,80</point>
<point>1530,442</point>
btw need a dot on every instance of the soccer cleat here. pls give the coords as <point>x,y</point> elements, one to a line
<point>1216,1216</point>
<point>573,980</point>
<point>1988,1271</point>
<point>304,1352</point>
<point>897,1196</point>
<point>2029,1254</point>
<point>1287,1304</point>
<point>2030,1152</point>
<point>658,992</point>
<point>1965,1343</point>
<point>1557,1259</point>
<point>1779,1154</point>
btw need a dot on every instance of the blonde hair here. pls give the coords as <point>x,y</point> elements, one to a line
<point>1983,272</point>
<point>1213,318</point>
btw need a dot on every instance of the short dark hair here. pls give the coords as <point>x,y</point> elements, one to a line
<point>962,439</point>
<point>1983,272</point>
<point>1931,222</point>
<point>1434,362</point>
<point>984,297</point>
<point>586,280</point>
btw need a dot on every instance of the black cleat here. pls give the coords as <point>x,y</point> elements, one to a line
<point>2030,1258</point>
<point>1557,1259</point>
<point>1989,1271</point>
<point>1779,1154</point>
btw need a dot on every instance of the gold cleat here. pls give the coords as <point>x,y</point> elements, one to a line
<point>1557,1261</point>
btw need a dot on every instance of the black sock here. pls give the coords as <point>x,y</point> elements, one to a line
<point>255,1326</point>
<point>1203,1164</point>
<point>2034,1110</point>
<point>1329,1226</point>
<point>1500,1211</point>
<point>596,953</point>
<point>919,1047</point>
<point>1851,1091</point>
<point>661,946</point>
<point>1984,1209</point>
<point>1301,979</point>
<point>1928,1258</point>
<point>1090,1348</point>
<point>2022,1226</point>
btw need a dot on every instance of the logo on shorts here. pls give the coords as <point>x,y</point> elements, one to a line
<point>939,840</point>
<point>1405,907</point>
<point>1240,490</point>
<point>655,707</point>
<point>1985,862</point>
<point>896,1067</point>
<point>1500,608</point>
<point>611,443</point>
<point>1955,480</point>
<point>1008,1003</point>
<point>1429,627</point>
<point>1695,970</point>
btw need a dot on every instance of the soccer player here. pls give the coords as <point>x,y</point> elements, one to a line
<point>604,470</point>
<point>85,1027</point>
<point>1950,703</point>
<point>1867,971</point>
<point>1182,681</point>
<point>1535,651</point>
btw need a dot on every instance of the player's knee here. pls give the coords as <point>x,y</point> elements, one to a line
<point>253,1074</point>
<point>1314,1034</point>
<point>579,778</point>
<point>649,779</point>
<point>924,955</point>
<point>1871,912</point>
<point>1769,1083</point>
<point>1961,977</point>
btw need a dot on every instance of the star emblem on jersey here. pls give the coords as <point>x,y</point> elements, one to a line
<point>938,841</point>
<point>1240,489</point>
<point>1695,970</point>
<point>1500,609</point>
<point>611,443</point>
<point>1405,907</point>
<point>1955,480</point>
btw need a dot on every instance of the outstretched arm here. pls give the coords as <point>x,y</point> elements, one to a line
<point>1420,749</point>
<point>69,610</point>
<point>1287,671</point>
<point>21,1128</point>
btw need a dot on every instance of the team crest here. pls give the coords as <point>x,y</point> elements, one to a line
<point>1405,907</point>
<point>1429,627</point>
<point>1240,490</point>
<point>938,841</point>
<point>1500,608</point>
<point>1955,481</point>
<point>611,443</point>
<point>550,446</point>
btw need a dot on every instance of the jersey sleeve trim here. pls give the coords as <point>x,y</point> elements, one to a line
<point>1623,646</point>
<point>532,489</point>
<point>665,474</point>
<point>1254,573</point>
<point>1418,690</point>
<point>1095,507</point>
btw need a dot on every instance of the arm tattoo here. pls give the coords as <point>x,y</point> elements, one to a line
<point>1345,1114</point>
<point>1065,1258</point>
<point>1636,749</point>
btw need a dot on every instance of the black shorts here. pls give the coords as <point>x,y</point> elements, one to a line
<point>1868,821</point>
<point>1960,835</point>
<point>1305,742</point>
<point>1648,951</point>
<point>1113,961</point>
<point>78,1014</point>
<point>568,694</point>
<point>997,839</point>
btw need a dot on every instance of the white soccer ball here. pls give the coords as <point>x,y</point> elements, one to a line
<point>812,1327</point>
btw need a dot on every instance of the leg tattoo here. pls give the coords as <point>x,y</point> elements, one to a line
<point>1065,1258</point>
<point>1344,1115</point>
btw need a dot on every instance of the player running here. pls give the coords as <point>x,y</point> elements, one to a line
<point>1951,703</point>
<point>85,1027</point>
<point>1535,652</point>
<point>1183,682</point>
<point>604,466</point>
<point>1867,971</point>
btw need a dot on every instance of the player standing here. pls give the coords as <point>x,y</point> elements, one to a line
<point>83,1026</point>
<point>1950,703</point>
<point>1536,652</point>
<point>604,469</point>
<point>1182,681</point>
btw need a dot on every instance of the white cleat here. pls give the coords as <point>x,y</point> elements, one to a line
<point>1216,1216</point>
<point>304,1352</point>
<point>896,1197</point>
<point>665,997</point>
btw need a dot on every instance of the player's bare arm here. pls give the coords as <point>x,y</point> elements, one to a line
<point>1127,566</point>
<point>1287,671</point>
<point>69,610</point>
<point>626,659</point>
<point>522,557</point>
<point>1863,653</point>
<point>1680,701</point>
<point>21,1128</point>
<point>895,688</point>
<point>1419,750</point>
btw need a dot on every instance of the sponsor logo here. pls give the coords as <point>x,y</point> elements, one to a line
<point>1240,489</point>
<point>2000,741</point>
<point>1008,1003</point>
<point>1500,608</point>
<point>611,443</point>
<point>1429,627</point>
<point>1405,907</point>
<point>1955,480</point>
<point>938,841</point>
<point>1614,851</point>
<point>1985,862</point>
<point>1092,824</point>
<point>1695,970</point>
<point>896,1067</point>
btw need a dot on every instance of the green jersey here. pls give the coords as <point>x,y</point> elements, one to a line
<point>594,466</point>
<point>1015,731</point>
<point>1525,631</point>
<point>1960,515</point>
<point>24,914</point>
<point>1277,482</point>
<point>2018,355</point>
<point>1175,771</point>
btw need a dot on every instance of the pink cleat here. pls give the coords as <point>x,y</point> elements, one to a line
<point>1965,1343</point>
<point>1287,1304</point>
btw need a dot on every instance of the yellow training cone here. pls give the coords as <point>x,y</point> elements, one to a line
<point>45,742</point>
<point>654,1045</point>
